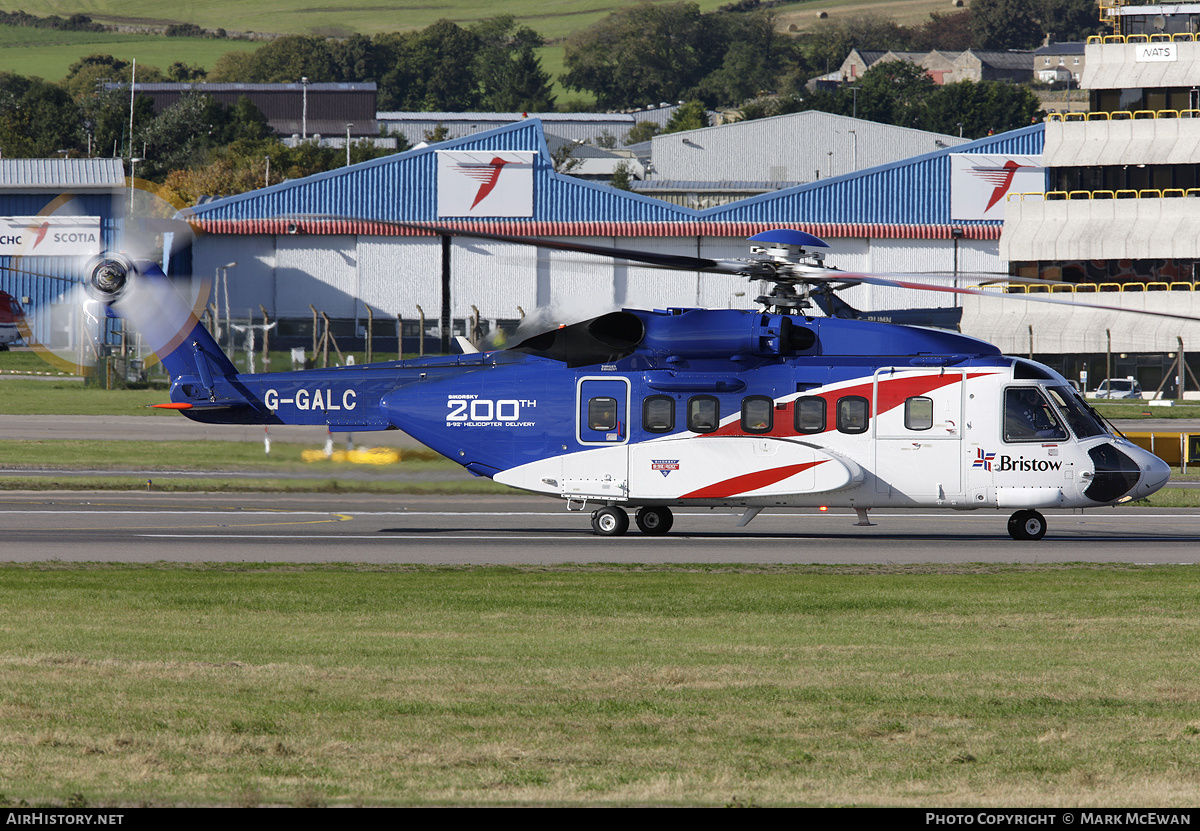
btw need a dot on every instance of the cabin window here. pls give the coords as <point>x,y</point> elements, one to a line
<point>602,413</point>
<point>758,414</point>
<point>810,414</point>
<point>1028,416</point>
<point>918,413</point>
<point>658,414</point>
<point>704,414</point>
<point>853,414</point>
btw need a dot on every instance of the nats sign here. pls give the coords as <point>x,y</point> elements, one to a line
<point>980,183</point>
<point>485,183</point>
<point>49,236</point>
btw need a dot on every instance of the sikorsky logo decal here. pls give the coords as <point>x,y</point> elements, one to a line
<point>664,466</point>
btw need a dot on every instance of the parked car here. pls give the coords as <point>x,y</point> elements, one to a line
<point>1118,388</point>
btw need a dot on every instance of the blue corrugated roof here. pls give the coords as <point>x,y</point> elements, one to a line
<point>913,191</point>
<point>402,187</point>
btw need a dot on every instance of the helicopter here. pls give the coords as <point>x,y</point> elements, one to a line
<point>641,411</point>
<point>11,318</point>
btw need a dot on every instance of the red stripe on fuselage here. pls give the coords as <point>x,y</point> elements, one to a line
<point>749,482</point>
<point>892,393</point>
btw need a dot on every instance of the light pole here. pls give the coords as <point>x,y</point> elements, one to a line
<point>349,124</point>
<point>223,271</point>
<point>304,109</point>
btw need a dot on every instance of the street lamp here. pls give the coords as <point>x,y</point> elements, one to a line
<point>349,124</point>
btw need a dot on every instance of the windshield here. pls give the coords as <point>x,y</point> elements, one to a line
<point>1123,386</point>
<point>1079,419</point>
<point>1028,416</point>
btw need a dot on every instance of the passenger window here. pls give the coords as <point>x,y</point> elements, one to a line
<point>704,414</point>
<point>602,413</point>
<point>810,414</point>
<point>758,414</point>
<point>853,414</point>
<point>918,413</point>
<point>658,414</point>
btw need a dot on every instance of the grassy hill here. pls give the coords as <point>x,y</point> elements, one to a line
<point>48,53</point>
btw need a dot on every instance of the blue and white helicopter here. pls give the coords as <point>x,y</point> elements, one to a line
<point>637,412</point>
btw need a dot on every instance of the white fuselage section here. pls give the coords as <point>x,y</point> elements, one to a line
<point>958,438</point>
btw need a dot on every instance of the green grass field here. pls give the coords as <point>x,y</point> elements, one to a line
<point>48,54</point>
<point>246,684</point>
<point>338,18</point>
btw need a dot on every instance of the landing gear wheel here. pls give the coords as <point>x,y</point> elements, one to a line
<point>654,521</point>
<point>610,522</point>
<point>1027,525</point>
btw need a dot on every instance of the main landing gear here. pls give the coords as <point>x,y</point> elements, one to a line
<point>613,521</point>
<point>1027,525</point>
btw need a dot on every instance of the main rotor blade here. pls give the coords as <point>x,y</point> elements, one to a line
<point>1036,298</point>
<point>674,262</point>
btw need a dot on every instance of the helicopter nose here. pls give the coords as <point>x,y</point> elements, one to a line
<point>1155,472</point>
<point>1123,472</point>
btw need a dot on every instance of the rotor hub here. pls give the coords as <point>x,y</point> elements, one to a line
<point>109,276</point>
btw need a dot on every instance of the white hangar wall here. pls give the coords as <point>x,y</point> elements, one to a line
<point>341,274</point>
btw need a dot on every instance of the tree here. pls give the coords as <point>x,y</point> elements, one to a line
<point>622,177</point>
<point>893,92</point>
<point>642,54</point>
<point>1005,24</point>
<point>181,135</point>
<point>756,59</point>
<point>950,32</point>
<point>37,118</point>
<point>1069,20</point>
<point>987,106</point>
<point>509,72</point>
<point>106,119</point>
<point>182,73</point>
<point>431,70</point>
<point>288,59</point>
<point>827,47</point>
<point>690,116</point>
<point>246,122</point>
<point>642,131</point>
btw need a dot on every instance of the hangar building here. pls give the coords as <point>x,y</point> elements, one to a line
<point>890,218</point>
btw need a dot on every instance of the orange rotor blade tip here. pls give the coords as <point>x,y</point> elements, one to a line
<point>173,406</point>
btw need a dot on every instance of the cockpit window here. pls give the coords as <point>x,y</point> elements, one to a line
<point>1082,423</point>
<point>1028,416</point>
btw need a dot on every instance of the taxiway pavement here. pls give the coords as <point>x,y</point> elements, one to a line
<point>519,530</point>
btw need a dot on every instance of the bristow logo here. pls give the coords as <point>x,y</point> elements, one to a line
<point>987,461</point>
<point>487,173</point>
<point>1001,177</point>
<point>664,465</point>
<point>984,460</point>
